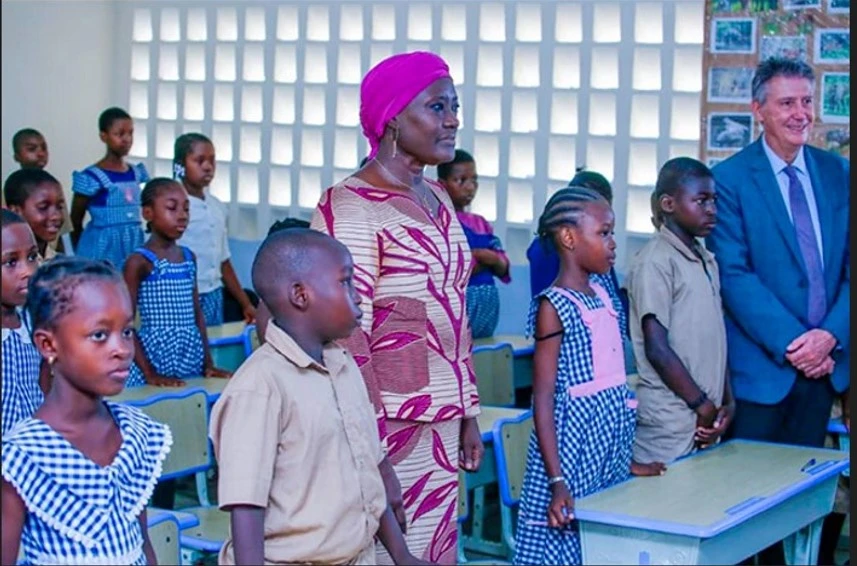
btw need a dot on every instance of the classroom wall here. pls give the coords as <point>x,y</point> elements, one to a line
<point>58,74</point>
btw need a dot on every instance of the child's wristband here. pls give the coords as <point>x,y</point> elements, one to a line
<point>555,480</point>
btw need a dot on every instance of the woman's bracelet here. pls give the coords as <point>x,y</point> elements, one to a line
<point>555,480</point>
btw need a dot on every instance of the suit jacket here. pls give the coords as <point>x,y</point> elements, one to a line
<point>764,283</point>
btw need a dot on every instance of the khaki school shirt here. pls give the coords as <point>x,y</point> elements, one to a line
<point>299,439</point>
<point>667,279</point>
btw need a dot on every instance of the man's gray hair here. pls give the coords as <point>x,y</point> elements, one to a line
<point>778,67</point>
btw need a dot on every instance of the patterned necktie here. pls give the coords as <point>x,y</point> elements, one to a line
<point>808,248</point>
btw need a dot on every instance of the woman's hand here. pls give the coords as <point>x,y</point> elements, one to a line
<point>470,448</point>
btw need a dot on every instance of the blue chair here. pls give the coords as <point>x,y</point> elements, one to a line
<point>837,428</point>
<point>494,366</point>
<point>163,529</point>
<point>250,339</point>
<point>511,440</point>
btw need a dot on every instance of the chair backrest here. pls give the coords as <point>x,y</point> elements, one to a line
<point>164,535</point>
<point>511,441</point>
<point>251,339</point>
<point>495,374</point>
<point>185,411</point>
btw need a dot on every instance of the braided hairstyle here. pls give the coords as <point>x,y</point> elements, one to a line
<point>151,191</point>
<point>184,145</point>
<point>50,293</point>
<point>565,207</point>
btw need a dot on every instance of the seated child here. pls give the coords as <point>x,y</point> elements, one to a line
<point>489,260</point>
<point>30,149</point>
<point>78,474</point>
<point>37,196</point>
<point>24,380</point>
<point>307,489</point>
<point>683,394</point>
<point>110,191</point>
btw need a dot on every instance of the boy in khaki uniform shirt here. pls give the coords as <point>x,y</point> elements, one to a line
<point>294,431</point>
<point>676,322</point>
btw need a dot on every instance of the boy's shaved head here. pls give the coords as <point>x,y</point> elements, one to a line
<point>287,257</point>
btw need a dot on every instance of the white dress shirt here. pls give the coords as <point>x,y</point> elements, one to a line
<point>207,239</point>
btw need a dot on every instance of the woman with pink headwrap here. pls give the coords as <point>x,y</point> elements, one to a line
<point>411,266</point>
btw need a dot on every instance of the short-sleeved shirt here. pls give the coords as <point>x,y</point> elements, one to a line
<point>682,289</point>
<point>299,440</point>
<point>207,238</point>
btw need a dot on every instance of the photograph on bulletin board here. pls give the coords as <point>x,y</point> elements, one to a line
<point>739,34</point>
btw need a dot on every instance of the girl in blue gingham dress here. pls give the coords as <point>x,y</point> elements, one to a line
<point>110,191</point>
<point>21,364</point>
<point>77,511</point>
<point>171,335</point>
<point>21,394</point>
<point>77,474</point>
<point>593,414</point>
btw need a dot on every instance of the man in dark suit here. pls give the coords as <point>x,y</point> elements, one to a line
<point>781,244</point>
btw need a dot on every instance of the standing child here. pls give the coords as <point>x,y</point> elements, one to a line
<point>489,259</point>
<point>77,476</point>
<point>30,149</point>
<point>308,488</point>
<point>544,261</point>
<point>21,392</point>
<point>582,407</point>
<point>161,278</point>
<point>110,191</point>
<point>206,236</point>
<point>677,322</point>
<point>37,196</point>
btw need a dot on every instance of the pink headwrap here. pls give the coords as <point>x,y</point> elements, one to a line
<point>391,85</point>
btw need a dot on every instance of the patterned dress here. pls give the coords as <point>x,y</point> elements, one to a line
<point>114,230</point>
<point>483,300</point>
<point>21,393</point>
<point>168,329</point>
<point>594,418</point>
<point>414,345</point>
<point>77,511</point>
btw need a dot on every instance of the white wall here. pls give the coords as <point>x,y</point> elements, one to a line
<point>58,74</point>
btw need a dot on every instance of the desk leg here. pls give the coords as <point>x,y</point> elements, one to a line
<point>802,546</point>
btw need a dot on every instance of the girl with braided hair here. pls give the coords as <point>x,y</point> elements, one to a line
<point>582,408</point>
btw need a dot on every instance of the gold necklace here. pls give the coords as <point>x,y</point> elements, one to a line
<point>421,194</point>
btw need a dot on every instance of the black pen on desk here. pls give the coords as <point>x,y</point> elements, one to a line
<point>808,465</point>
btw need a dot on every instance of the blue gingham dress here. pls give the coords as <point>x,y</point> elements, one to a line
<point>594,434</point>
<point>168,329</point>
<point>115,228</point>
<point>211,304</point>
<point>77,511</point>
<point>21,394</point>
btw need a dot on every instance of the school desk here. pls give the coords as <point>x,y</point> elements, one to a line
<point>837,428</point>
<point>226,343</point>
<point>523,348</point>
<point>718,506</point>
<point>213,387</point>
<point>487,475</point>
<point>163,530</point>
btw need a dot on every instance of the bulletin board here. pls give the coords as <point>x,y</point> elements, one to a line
<point>739,34</point>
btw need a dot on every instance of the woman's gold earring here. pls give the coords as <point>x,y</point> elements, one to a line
<point>51,360</point>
